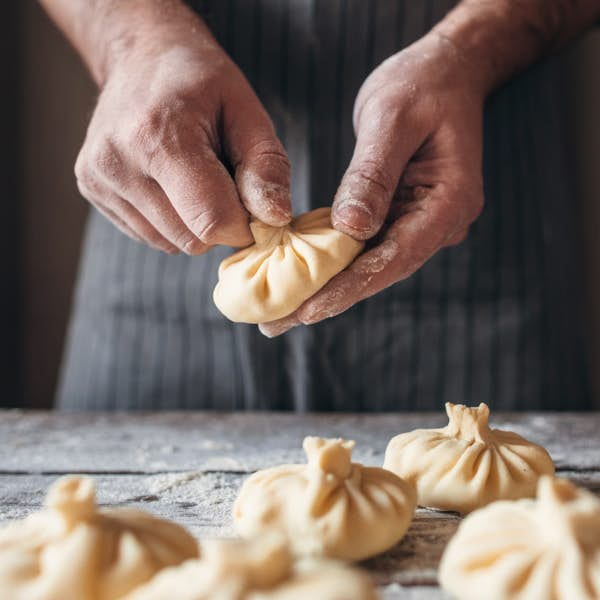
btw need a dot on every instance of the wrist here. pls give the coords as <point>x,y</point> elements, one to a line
<point>487,37</point>
<point>123,30</point>
<point>498,39</point>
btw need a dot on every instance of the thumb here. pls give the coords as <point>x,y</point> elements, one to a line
<point>363,198</point>
<point>262,167</point>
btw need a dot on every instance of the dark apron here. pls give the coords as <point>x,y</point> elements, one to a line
<point>494,319</point>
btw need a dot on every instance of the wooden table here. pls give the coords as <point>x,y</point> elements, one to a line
<point>188,466</point>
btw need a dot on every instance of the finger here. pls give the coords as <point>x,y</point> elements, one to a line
<point>124,216</point>
<point>204,196</point>
<point>426,226</point>
<point>366,190</point>
<point>118,222</point>
<point>262,168</point>
<point>149,199</point>
<point>114,172</point>
<point>275,328</point>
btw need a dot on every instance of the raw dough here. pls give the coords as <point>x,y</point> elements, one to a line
<point>73,550</point>
<point>273,277</point>
<point>528,549</point>
<point>466,465</point>
<point>331,506</point>
<point>260,569</point>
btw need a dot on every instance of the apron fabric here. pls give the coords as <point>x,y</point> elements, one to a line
<point>495,319</point>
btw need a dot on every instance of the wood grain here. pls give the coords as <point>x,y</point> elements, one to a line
<point>189,466</point>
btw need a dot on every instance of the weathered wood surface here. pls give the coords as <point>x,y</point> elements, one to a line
<point>240,442</point>
<point>189,466</point>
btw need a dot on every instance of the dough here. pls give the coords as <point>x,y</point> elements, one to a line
<point>260,569</point>
<point>73,550</point>
<point>287,265</point>
<point>331,506</point>
<point>528,549</point>
<point>466,465</point>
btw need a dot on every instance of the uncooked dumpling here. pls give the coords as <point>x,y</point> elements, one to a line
<point>331,506</point>
<point>466,465</point>
<point>528,549</point>
<point>260,569</point>
<point>73,550</point>
<point>286,266</point>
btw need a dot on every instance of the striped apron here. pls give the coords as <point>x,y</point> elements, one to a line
<point>494,319</point>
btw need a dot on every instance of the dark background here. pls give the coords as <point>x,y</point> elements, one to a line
<point>46,99</point>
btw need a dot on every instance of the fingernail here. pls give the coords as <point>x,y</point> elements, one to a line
<point>355,217</point>
<point>267,332</point>
<point>272,330</point>
<point>267,200</point>
<point>276,205</point>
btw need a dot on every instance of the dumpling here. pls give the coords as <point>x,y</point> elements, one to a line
<point>466,465</point>
<point>528,549</point>
<point>286,266</point>
<point>260,569</point>
<point>73,550</point>
<point>331,506</point>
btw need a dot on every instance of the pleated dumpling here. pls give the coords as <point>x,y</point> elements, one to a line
<point>466,465</point>
<point>330,506</point>
<point>283,268</point>
<point>259,569</point>
<point>72,550</point>
<point>528,549</point>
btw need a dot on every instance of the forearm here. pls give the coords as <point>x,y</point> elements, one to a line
<point>104,30</point>
<point>499,38</point>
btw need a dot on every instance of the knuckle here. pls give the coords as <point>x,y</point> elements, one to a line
<point>85,184</point>
<point>105,158</point>
<point>388,106</point>
<point>371,177</point>
<point>383,104</point>
<point>394,106</point>
<point>205,226</point>
<point>153,135</point>
<point>270,151</point>
<point>189,244</point>
<point>80,168</point>
<point>165,131</point>
<point>88,185</point>
<point>148,138</point>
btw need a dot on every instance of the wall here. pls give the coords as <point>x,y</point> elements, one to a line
<point>583,89</point>
<point>56,100</point>
<point>9,211</point>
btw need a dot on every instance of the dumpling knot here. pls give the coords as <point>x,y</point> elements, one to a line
<point>330,455</point>
<point>267,235</point>
<point>74,497</point>
<point>468,423</point>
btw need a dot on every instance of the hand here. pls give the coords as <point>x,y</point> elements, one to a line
<point>174,115</point>
<point>414,184</point>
